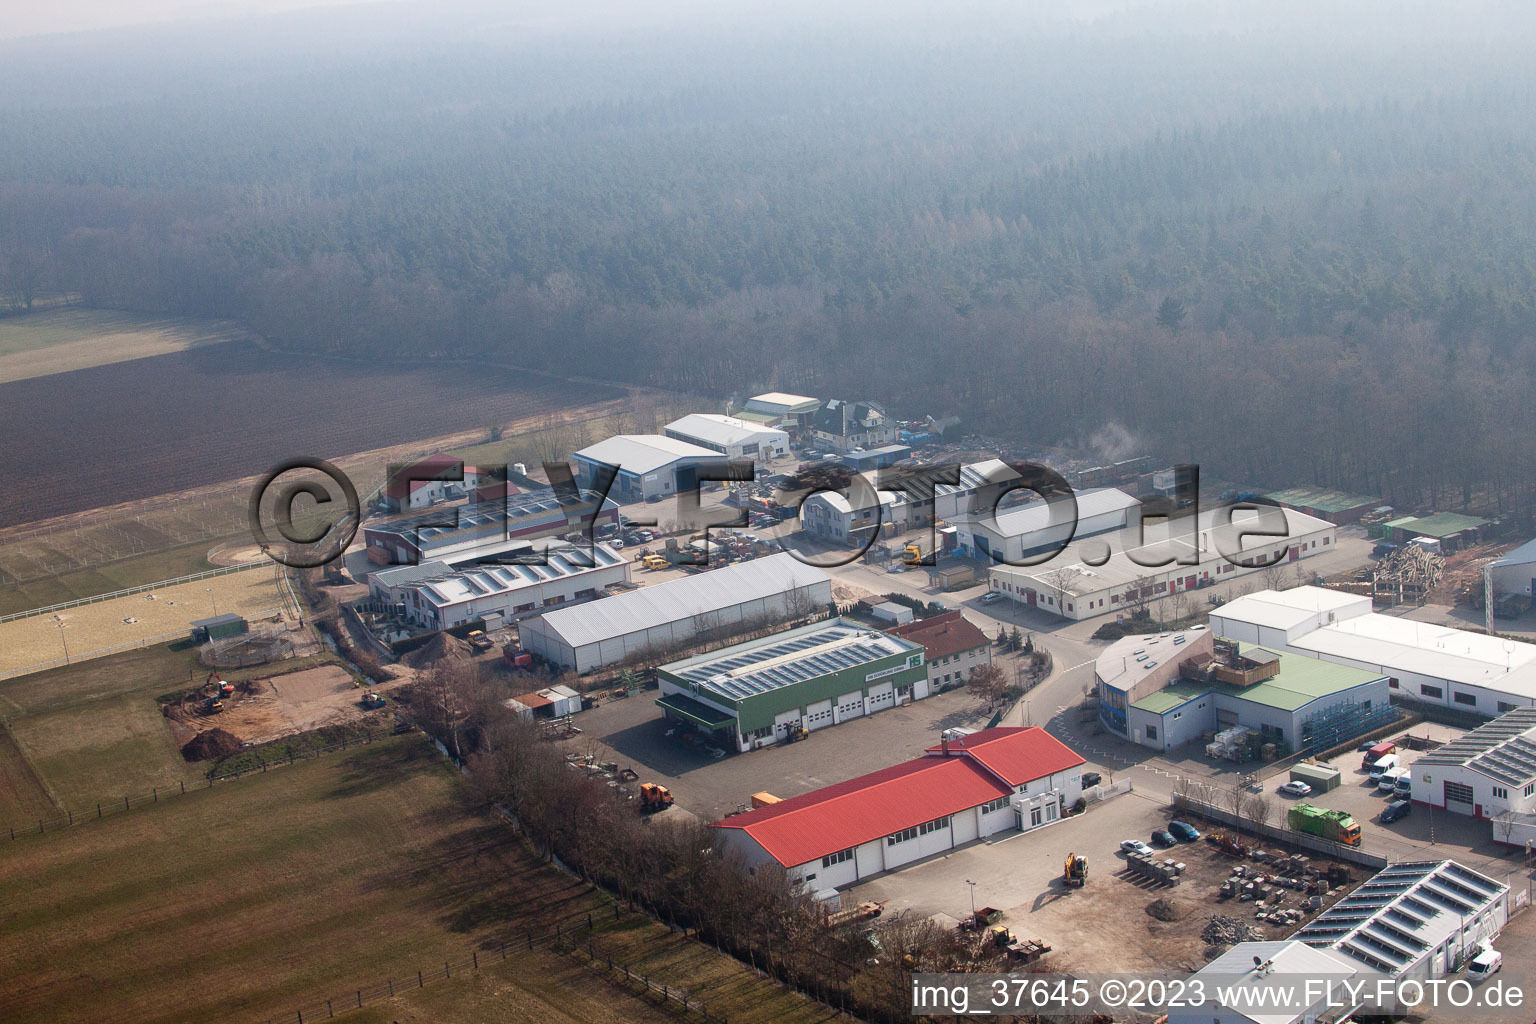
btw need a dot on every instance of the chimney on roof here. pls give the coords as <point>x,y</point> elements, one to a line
<point>944,741</point>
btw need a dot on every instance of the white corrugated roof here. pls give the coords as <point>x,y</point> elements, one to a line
<point>1288,960</point>
<point>1282,609</point>
<point>644,453</point>
<point>1164,539</point>
<point>1522,555</point>
<point>1037,516</point>
<point>681,599</point>
<point>1421,647</point>
<point>722,430</point>
<point>781,398</point>
<point>978,474</point>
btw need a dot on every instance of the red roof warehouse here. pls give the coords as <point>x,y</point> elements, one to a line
<point>961,790</point>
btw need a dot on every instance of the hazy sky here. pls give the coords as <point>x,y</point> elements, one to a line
<point>25,19</point>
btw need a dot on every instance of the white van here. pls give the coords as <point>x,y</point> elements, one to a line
<point>1485,965</point>
<point>1382,766</point>
<point>1389,779</point>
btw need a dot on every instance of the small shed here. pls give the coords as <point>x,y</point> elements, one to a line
<point>890,611</point>
<point>218,627</point>
<point>952,575</point>
<point>1321,777</point>
<point>562,700</point>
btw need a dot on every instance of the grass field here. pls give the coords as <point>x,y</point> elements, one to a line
<point>93,732</point>
<point>242,901</point>
<point>133,571</point>
<point>38,639</point>
<point>59,340</point>
<point>23,798</point>
<point>247,900</point>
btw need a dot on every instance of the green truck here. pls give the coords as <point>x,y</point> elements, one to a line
<point>1338,826</point>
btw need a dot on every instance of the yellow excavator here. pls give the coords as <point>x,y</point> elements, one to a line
<point>1076,872</point>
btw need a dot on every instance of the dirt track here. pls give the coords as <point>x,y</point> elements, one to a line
<point>291,703</point>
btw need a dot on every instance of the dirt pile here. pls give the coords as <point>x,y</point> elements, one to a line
<point>210,745</point>
<point>440,648</point>
<point>1168,909</point>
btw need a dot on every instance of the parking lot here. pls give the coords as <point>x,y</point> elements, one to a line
<point>1103,926</point>
<point>633,732</point>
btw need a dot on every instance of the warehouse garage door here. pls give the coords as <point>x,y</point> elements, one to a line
<point>882,697</point>
<point>850,705</point>
<point>818,715</point>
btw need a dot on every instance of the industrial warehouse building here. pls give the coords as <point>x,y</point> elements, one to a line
<point>1164,690</point>
<point>981,485</point>
<point>1337,507</point>
<point>434,595</point>
<point>486,530</point>
<point>1071,586</point>
<point>952,647</point>
<point>763,590</point>
<point>650,466</point>
<point>1423,661</point>
<point>1415,920</point>
<point>730,436</point>
<point>1515,572</point>
<point>1489,771</point>
<point>960,791</point>
<point>775,408</point>
<point>760,692</point>
<point>1028,530</point>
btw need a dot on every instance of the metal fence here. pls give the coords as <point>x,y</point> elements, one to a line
<point>102,652</point>
<point>94,598</point>
<point>119,804</point>
<point>1317,844</point>
<point>573,938</point>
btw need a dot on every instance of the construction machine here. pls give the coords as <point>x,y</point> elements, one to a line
<point>212,706</point>
<point>654,797</point>
<point>478,640</point>
<point>372,700</point>
<point>1076,872</point>
<point>912,554</point>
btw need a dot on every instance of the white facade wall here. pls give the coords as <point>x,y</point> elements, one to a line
<point>956,668</point>
<point>965,826</point>
<point>1429,788</point>
<point>1028,587</point>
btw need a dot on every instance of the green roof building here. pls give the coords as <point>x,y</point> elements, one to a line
<point>1168,690</point>
<point>1337,507</point>
<point>765,691</point>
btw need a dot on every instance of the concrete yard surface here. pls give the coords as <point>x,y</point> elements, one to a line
<point>1102,927</point>
<point>632,732</point>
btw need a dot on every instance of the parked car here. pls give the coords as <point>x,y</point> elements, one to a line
<point>895,567</point>
<point>1184,830</point>
<point>1296,788</point>
<point>1131,846</point>
<point>1092,778</point>
<point>990,596</point>
<point>1364,746</point>
<point>1396,809</point>
<point>1162,837</point>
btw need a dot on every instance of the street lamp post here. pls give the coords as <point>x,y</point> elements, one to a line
<point>213,599</point>
<point>973,897</point>
<point>60,621</point>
